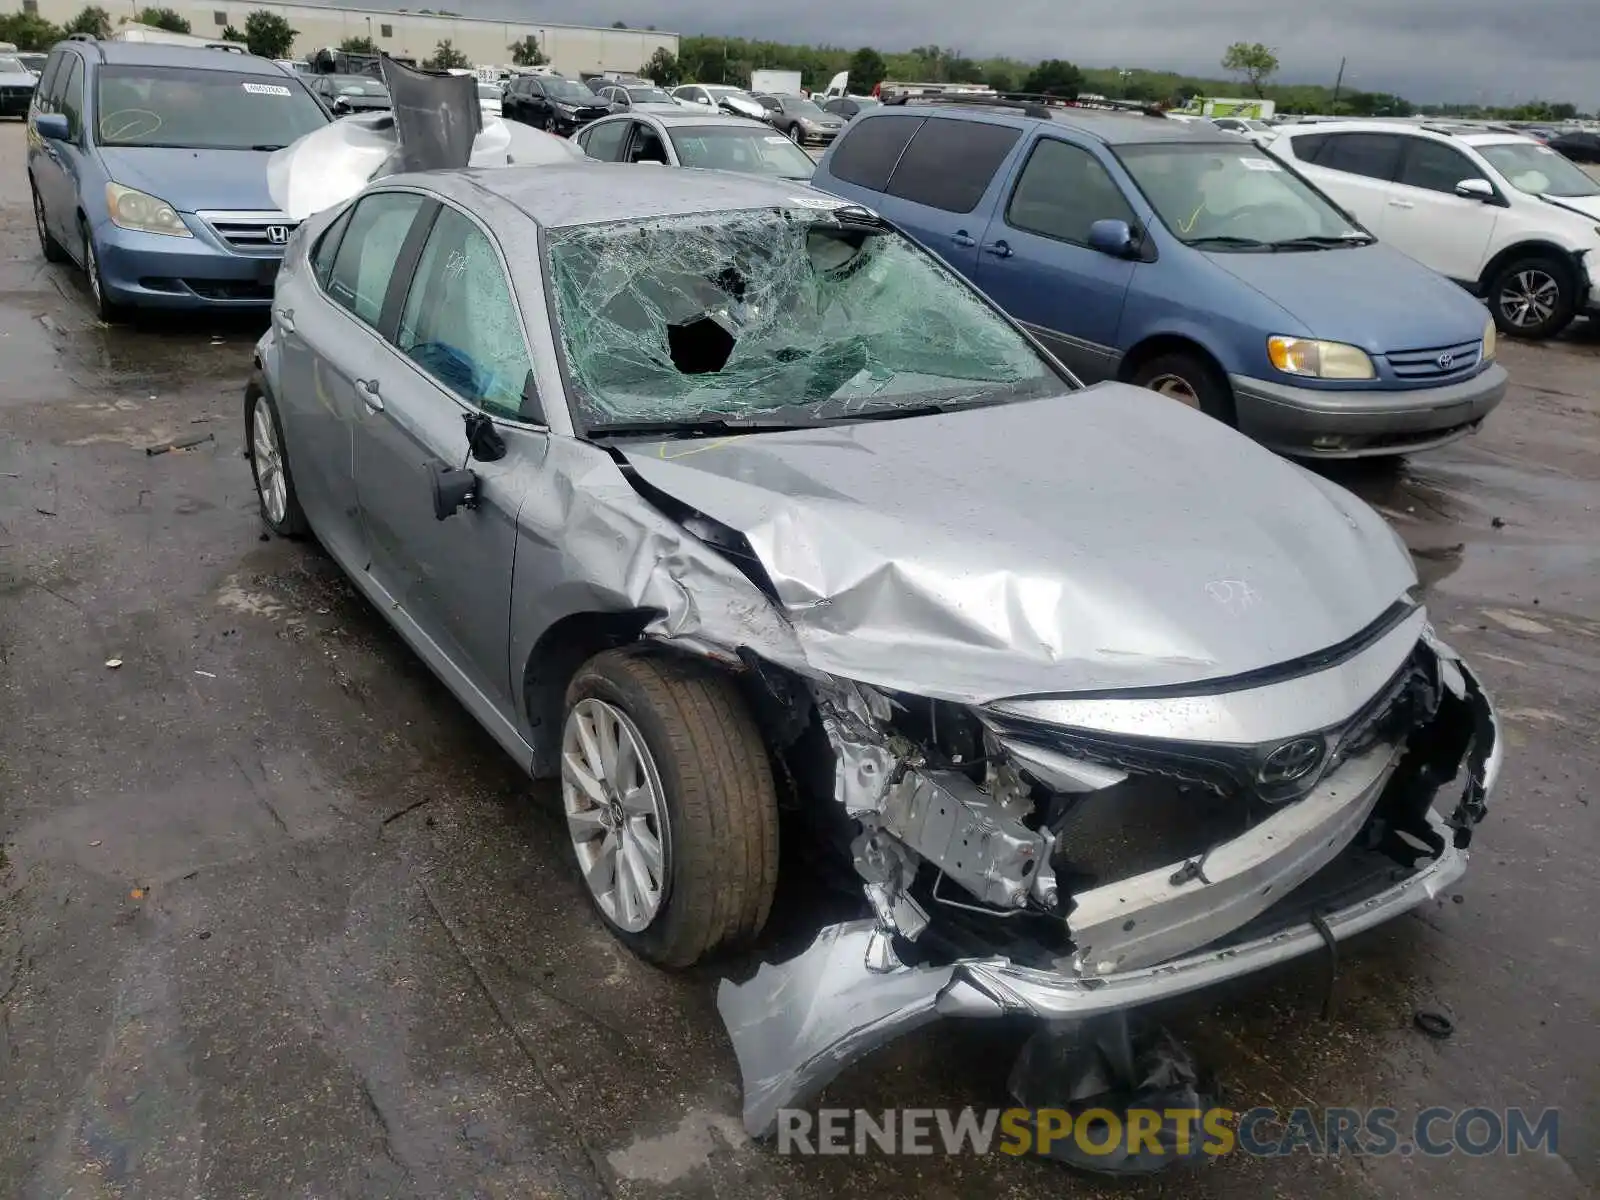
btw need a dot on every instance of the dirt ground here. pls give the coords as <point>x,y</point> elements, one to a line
<point>277,919</point>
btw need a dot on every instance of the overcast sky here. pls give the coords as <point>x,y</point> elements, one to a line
<point>1483,51</point>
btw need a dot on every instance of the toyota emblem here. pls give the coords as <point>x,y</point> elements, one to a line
<point>1446,361</point>
<point>1290,762</point>
<point>277,234</point>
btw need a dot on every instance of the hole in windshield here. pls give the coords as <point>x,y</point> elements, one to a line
<point>682,320</point>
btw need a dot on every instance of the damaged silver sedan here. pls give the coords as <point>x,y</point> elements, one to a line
<point>729,507</point>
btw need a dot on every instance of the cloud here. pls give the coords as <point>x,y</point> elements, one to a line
<point>1462,50</point>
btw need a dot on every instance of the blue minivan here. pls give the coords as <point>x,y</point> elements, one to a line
<point>1176,256</point>
<point>148,167</point>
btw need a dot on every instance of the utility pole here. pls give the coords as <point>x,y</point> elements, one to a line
<point>1337,84</point>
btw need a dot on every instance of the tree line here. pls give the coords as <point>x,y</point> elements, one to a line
<point>708,59</point>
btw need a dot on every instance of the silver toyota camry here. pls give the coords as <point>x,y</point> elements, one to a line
<point>724,504</point>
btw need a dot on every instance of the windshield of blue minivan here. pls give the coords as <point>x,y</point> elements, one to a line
<point>189,109</point>
<point>773,314</point>
<point>1235,198</point>
<point>1538,170</point>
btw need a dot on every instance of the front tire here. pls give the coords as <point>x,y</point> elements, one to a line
<point>1189,380</point>
<point>795,135</point>
<point>670,804</point>
<point>269,465</point>
<point>1533,298</point>
<point>108,310</point>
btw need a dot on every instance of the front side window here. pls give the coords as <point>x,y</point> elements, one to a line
<point>755,150</point>
<point>188,109</point>
<point>1235,198</point>
<point>788,313</point>
<point>72,99</point>
<point>368,250</point>
<point>1538,170</point>
<point>949,163</point>
<point>1435,166</point>
<point>1062,191</point>
<point>460,323</point>
<point>55,69</point>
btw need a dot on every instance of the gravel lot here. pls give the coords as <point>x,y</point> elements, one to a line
<point>278,919</point>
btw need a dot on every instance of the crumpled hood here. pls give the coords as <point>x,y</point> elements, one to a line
<point>194,180</point>
<point>1102,539</point>
<point>1370,296</point>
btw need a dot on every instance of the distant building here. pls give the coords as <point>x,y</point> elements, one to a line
<point>571,49</point>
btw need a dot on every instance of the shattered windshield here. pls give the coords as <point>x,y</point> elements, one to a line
<point>768,312</point>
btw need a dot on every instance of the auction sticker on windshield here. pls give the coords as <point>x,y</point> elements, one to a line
<point>776,139</point>
<point>824,202</point>
<point>1260,164</point>
<point>265,89</point>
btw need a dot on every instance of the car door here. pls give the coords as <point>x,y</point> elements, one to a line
<point>945,182</point>
<point>457,349</point>
<point>64,164</point>
<point>1356,169</point>
<point>327,322</point>
<point>1428,221</point>
<point>1069,295</point>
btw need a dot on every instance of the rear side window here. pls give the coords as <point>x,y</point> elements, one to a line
<point>1435,166</point>
<point>1373,155</point>
<point>1062,191</point>
<point>1308,147</point>
<point>367,253</point>
<point>949,163</point>
<point>605,141</point>
<point>867,153</point>
<point>327,247</point>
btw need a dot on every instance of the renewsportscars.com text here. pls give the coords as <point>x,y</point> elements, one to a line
<point>1259,1132</point>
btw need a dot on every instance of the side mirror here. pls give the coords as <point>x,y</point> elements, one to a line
<point>52,127</point>
<point>1112,237</point>
<point>1475,189</point>
<point>453,488</point>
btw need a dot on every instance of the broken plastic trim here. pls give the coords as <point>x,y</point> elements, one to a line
<point>796,1025</point>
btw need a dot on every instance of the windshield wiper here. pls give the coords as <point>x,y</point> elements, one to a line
<point>699,427</point>
<point>1318,242</point>
<point>268,146</point>
<point>1224,239</point>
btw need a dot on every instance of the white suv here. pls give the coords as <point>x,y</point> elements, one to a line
<point>1507,218</point>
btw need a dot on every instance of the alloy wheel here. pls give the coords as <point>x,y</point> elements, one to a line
<point>616,813</point>
<point>1530,297</point>
<point>38,221</point>
<point>91,266</point>
<point>1175,387</point>
<point>270,480</point>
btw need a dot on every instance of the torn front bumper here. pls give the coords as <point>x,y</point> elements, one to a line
<point>797,1024</point>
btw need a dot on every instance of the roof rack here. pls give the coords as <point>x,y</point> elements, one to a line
<point>1032,104</point>
<point>82,37</point>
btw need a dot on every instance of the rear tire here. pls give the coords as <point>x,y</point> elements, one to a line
<point>1191,381</point>
<point>269,465</point>
<point>1534,297</point>
<point>696,761</point>
<point>53,250</point>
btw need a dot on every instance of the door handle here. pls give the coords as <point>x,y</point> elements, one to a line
<point>963,239</point>
<point>1401,204</point>
<point>285,318</point>
<point>369,394</point>
<point>998,249</point>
